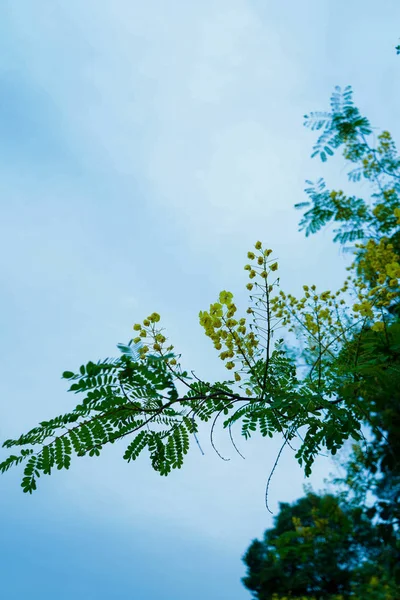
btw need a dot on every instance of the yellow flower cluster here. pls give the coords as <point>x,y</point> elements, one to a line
<point>370,166</point>
<point>386,143</point>
<point>379,260</point>
<point>148,330</point>
<point>379,212</point>
<point>342,205</point>
<point>313,312</point>
<point>364,309</point>
<point>224,330</point>
<point>261,263</point>
<point>380,266</point>
<point>378,326</point>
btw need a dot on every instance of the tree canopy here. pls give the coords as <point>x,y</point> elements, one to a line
<point>319,547</point>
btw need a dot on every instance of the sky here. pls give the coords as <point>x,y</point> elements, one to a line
<point>144,148</point>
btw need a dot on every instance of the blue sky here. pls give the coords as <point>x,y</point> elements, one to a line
<point>144,148</point>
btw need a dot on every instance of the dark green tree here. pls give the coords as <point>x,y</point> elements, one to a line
<point>319,547</point>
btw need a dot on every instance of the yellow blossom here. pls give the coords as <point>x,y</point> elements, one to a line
<point>374,581</point>
<point>154,317</point>
<point>231,323</point>
<point>251,255</point>
<point>225,297</point>
<point>216,310</point>
<point>205,319</point>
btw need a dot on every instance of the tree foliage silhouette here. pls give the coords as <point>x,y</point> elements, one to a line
<point>319,548</point>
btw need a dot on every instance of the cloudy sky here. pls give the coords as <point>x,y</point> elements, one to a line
<point>144,148</point>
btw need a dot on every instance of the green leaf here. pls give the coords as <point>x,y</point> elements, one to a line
<point>68,375</point>
<point>130,351</point>
<point>136,446</point>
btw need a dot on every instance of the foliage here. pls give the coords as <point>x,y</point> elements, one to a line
<point>345,127</point>
<point>373,354</point>
<point>136,394</point>
<point>319,547</point>
<point>373,357</point>
<point>374,465</point>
